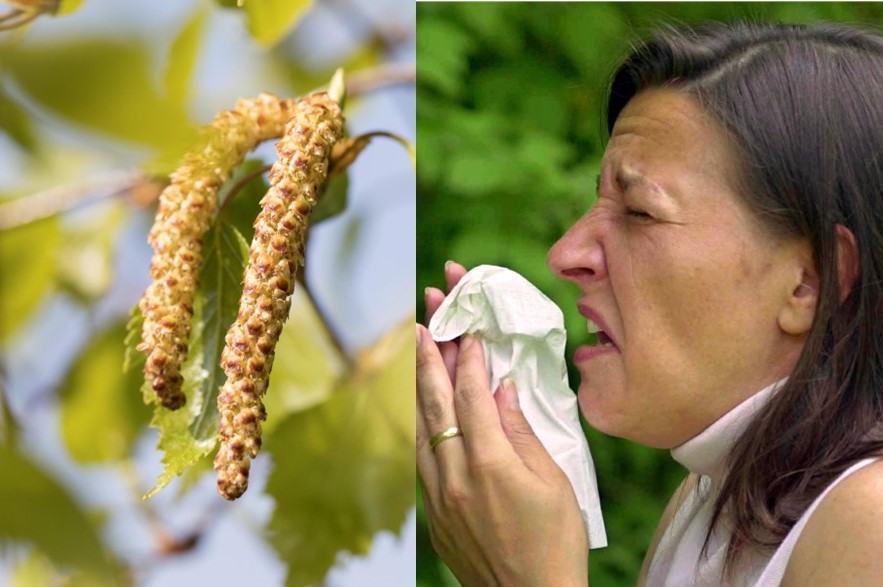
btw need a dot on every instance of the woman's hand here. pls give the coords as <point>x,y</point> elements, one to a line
<point>500,511</point>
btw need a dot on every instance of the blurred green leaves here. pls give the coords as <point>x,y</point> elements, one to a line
<point>34,509</point>
<point>15,122</point>
<point>68,6</point>
<point>114,97</point>
<point>27,263</point>
<point>344,470</point>
<point>269,20</point>
<point>104,86</point>
<point>182,57</point>
<point>101,410</point>
<point>309,366</point>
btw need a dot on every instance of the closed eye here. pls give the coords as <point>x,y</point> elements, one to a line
<point>634,213</point>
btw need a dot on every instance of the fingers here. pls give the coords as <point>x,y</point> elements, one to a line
<point>434,298</point>
<point>476,412</point>
<point>520,433</point>
<point>435,412</point>
<point>454,272</point>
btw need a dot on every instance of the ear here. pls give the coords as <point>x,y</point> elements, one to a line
<point>847,260</point>
<point>797,312</point>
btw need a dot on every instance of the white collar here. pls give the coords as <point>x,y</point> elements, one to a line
<point>706,453</point>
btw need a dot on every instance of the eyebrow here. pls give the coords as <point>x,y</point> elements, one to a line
<point>628,179</point>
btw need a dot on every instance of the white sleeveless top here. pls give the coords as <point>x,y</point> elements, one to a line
<point>678,561</point>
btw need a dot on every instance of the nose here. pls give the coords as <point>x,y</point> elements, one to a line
<point>578,256</point>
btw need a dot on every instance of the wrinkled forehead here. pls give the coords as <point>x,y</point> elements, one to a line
<point>666,130</point>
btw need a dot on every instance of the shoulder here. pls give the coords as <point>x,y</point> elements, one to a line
<point>842,542</point>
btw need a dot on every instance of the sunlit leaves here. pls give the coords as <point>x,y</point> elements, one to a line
<point>35,569</point>
<point>68,6</point>
<point>182,57</point>
<point>307,365</point>
<point>270,20</point>
<point>34,509</point>
<point>101,411</point>
<point>27,258</point>
<point>14,121</point>
<point>104,86</point>
<point>84,265</point>
<point>344,470</point>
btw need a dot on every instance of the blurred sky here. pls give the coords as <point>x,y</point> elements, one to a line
<point>378,224</point>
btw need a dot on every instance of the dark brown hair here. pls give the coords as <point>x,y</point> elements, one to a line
<point>804,107</point>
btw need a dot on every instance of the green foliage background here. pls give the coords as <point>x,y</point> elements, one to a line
<point>509,121</point>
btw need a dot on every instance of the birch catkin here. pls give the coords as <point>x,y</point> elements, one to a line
<point>296,180</point>
<point>184,215</point>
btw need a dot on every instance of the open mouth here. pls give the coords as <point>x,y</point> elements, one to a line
<point>603,339</point>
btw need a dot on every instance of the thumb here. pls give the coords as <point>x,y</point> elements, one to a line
<point>520,433</point>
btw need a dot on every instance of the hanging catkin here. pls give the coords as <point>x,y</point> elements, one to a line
<point>186,208</point>
<point>296,179</point>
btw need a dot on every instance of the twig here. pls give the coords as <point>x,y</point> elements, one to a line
<point>66,197</point>
<point>412,152</point>
<point>8,26</point>
<point>323,316</point>
<point>388,74</point>
<point>11,14</point>
<point>243,181</point>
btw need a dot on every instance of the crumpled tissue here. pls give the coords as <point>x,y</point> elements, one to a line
<point>522,332</point>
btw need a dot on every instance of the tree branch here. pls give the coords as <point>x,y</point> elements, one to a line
<point>388,74</point>
<point>6,18</point>
<point>323,316</point>
<point>62,198</point>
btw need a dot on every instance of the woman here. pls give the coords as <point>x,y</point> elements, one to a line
<point>735,260</point>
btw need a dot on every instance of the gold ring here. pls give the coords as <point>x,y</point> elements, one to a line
<point>444,435</point>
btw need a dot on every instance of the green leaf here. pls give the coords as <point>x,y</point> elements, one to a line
<point>84,265</point>
<point>189,434</point>
<point>270,20</point>
<point>182,57</point>
<point>68,6</point>
<point>133,359</point>
<point>225,255</point>
<point>180,449</point>
<point>333,201</point>
<point>9,428</point>
<point>35,509</point>
<point>27,260</point>
<point>16,122</point>
<point>344,470</point>
<point>34,570</point>
<point>307,365</point>
<point>105,86</point>
<point>101,410</point>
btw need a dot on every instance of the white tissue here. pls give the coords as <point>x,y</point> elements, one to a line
<point>522,332</point>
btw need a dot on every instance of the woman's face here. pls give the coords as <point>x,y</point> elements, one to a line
<point>676,272</point>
